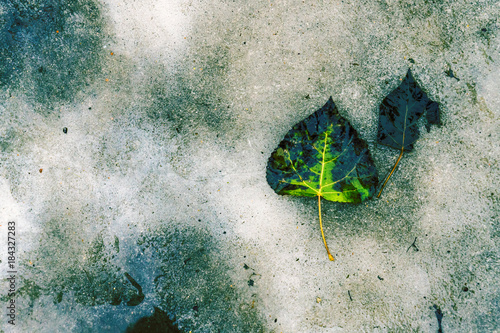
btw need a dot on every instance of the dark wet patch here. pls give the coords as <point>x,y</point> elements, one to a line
<point>50,49</point>
<point>194,284</point>
<point>158,322</point>
<point>192,96</point>
<point>28,290</point>
<point>60,266</point>
<point>7,141</point>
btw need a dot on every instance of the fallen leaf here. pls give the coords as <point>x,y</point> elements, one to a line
<point>322,156</point>
<point>399,115</point>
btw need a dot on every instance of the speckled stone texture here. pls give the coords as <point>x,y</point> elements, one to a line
<point>134,138</point>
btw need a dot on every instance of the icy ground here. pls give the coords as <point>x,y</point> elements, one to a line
<point>171,110</point>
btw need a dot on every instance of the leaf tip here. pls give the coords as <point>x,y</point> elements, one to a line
<point>330,103</point>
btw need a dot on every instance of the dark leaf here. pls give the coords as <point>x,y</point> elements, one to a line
<point>399,115</point>
<point>322,156</point>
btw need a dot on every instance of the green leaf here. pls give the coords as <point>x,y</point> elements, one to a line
<point>322,156</point>
<point>400,112</point>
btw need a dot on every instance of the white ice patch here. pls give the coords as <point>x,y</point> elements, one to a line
<point>154,29</point>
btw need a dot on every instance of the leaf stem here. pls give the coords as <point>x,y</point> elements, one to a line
<point>321,227</point>
<point>392,171</point>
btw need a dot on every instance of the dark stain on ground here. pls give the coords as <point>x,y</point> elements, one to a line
<point>188,97</point>
<point>94,280</point>
<point>7,141</point>
<point>158,322</point>
<point>51,49</point>
<point>213,297</point>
